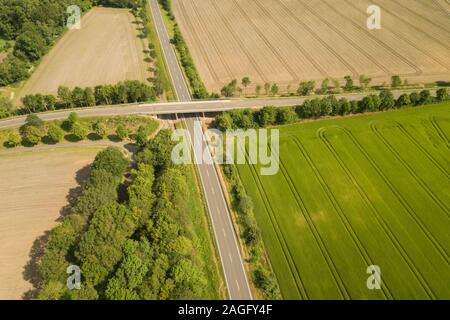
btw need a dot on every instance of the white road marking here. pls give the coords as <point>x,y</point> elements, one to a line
<point>231,259</point>
<point>224,233</point>
<point>237,283</point>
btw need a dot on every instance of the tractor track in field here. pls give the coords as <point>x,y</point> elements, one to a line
<point>214,44</point>
<point>286,251</point>
<point>336,54</point>
<point>439,131</point>
<point>239,40</point>
<point>422,149</point>
<point>414,27</point>
<point>383,224</point>
<point>381,43</point>
<point>399,197</point>
<point>201,48</point>
<point>419,180</point>
<point>320,242</point>
<point>412,44</point>
<point>340,212</point>
<point>276,52</point>
<point>315,36</point>
<point>421,16</point>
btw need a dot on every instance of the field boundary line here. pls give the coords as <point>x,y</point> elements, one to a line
<point>378,217</point>
<point>340,212</point>
<point>398,195</point>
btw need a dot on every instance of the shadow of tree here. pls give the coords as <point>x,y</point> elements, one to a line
<point>31,271</point>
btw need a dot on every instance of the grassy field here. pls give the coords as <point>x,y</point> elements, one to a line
<point>34,188</point>
<point>354,192</point>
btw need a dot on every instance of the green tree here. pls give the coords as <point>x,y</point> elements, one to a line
<point>55,133</point>
<point>33,120</point>
<point>396,81</point>
<point>348,83</point>
<point>337,86</point>
<point>286,115</point>
<point>65,96</point>
<point>111,160</point>
<point>364,82</point>
<point>79,131</point>
<point>245,83</point>
<point>32,135</point>
<point>89,97</point>
<point>100,129</point>
<point>442,94</point>
<point>306,88</point>
<point>267,88</point>
<point>267,116</point>
<point>122,132</point>
<point>13,140</point>
<point>425,97</point>
<point>72,120</point>
<point>324,86</point>
<point>403,100</point>
<point>274,89</point>
<point>387,100</point>
<point>224,121</point>
<point>258,90</point>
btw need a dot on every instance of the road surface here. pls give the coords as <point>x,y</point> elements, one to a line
<point>183,107</point>
<point>227,244</point>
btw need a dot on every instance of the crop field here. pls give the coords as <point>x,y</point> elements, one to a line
<point>288,41</point>
<point>106,50</point>
<point>34,187</point>
<point>354,192</point>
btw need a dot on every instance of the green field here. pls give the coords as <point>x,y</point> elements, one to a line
<point>354,192</point>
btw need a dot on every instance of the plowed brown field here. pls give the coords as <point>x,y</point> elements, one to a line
<point>34,187</point>
<point>105,50</point>
<point>288,41</point>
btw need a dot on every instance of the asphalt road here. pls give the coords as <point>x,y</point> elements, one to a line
<point>182,107</point>
<point>227,244</point>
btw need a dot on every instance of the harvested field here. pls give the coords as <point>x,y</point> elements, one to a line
<point>34,188</point>
<point>105,50</point>
<point>354,192</point>
<point>288,41</point>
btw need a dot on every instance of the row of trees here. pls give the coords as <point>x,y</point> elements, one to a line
<point>263,276</point>
<point>138,247</point>
<point>306,88</point>
<point>121,93</point>
<point>35,131</point>
<point>328,106</point>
